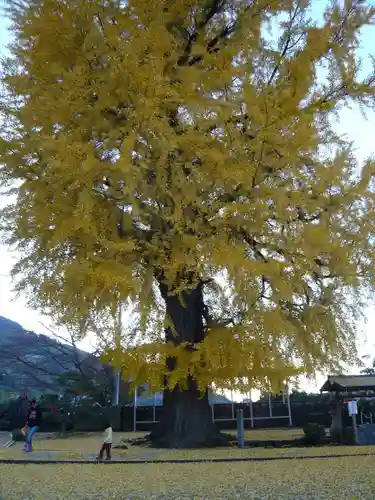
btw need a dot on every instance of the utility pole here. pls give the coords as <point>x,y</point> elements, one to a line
<point>116,394</point>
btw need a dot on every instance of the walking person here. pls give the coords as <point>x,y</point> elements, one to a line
<point>34,419</point>
<point>107,443</point>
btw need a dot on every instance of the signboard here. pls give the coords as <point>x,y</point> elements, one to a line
<point>352,408</point>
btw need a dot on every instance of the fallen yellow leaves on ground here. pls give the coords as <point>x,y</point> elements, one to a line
<point>261,452</point>
<point>271,434</point>
<point>336,479</point>
<point>84,448</point>
<point>92,442</point>
<point>17,453</point>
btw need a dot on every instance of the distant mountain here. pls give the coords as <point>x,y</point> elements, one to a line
<point>8,328</point>
<point>29,361</point>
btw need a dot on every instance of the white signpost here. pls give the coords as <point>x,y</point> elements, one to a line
<point>353,412</point>
<point>352,408</point>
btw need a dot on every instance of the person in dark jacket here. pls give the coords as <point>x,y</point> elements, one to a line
<point>34,419</point>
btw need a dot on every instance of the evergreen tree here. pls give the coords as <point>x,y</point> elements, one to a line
<point>180,154</point>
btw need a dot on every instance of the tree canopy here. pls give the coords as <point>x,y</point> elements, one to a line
<point>182,154</point>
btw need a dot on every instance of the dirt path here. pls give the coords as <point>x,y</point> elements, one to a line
<point>4,438</point>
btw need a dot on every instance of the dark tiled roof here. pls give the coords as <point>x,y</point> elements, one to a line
<point>342,382</point>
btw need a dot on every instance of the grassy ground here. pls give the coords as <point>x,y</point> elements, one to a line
<point>91,442</point>
<point>86,447</point>
<point>92,439</point>
<point>270,434</point>
<point>318,478</point>
<point>338,479</point>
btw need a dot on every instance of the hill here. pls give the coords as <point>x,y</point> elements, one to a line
<point>30,361</point>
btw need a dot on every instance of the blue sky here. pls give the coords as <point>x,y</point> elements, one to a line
<point>351,123</point>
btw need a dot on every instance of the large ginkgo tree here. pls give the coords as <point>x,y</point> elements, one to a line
<point>180,154</point>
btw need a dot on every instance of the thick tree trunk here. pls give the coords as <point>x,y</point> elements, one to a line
<point>186,420</point>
